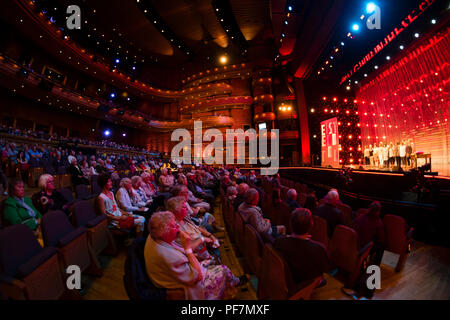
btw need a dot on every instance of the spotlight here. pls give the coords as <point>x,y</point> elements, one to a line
<point>124,134</point>
<point>112,95</point>
<point>312,110</point>
<point>290,8</point>
<point>416,35</point>
<point>365,75</point>
<point>402,47</point>
<point>355,27</point>
<point>223,59</point>
<point>107,133</point>
<point>376,67</point>
<point>134,68</point>
<point>371,7</point>
<point>433,21</point>
<point>348,88</point>
<point>342,43</point>
<point>117,61</point>
<point>285,22</point>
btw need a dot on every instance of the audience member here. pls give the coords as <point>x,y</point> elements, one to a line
<point>330,212</point>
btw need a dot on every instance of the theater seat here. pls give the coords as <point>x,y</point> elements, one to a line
<point>136,281</point>
<point>281,214</point>
<point>253,247</point>
<point>275,280</point>
<point>398,238</point>
<point>83,193</point>
<point>347,213</point>
<point>72,243</point>
<point>344,253</point>
<point>238,224</point>
<point>28,271</point>
<point>319,231</point>
<point>99,236</point>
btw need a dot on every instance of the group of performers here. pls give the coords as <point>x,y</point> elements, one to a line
<point>394,154</point>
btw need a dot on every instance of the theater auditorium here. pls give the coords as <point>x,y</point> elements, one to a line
<point>224,150</point>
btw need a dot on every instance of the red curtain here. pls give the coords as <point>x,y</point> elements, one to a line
<point>409,99</point>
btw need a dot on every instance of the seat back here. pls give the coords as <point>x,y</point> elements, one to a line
<point>66,193</point>
<point>319,231</point>
<point>94,185</point>
<point>282,215</point>
<point>272,281</point>
<point>253,248</point>
<point>18,244</point>
<point>301,198</point>
<point>61,170</point>
<point>343,248</point>
<point>361,211</point>
<point>54,226</point>
<point>395,233</point>
<point>66,181</point>
<point>137,283</point>
<point>83,212</point>
<point>82,191</point>
<point>347,213</point>
<point>238,224</point>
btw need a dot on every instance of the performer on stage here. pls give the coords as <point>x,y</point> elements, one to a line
<point>391,154</point>
<point>367,155</point>
<point>386,155</point>
<point>408,152</point>
<point>403,153</point>
<point>376,158</point>
<point>397,154</point>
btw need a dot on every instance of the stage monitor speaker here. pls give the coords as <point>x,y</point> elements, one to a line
<point>45,85</point>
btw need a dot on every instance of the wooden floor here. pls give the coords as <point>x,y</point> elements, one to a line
<point>426,275</point>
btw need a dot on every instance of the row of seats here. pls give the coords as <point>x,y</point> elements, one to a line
<point>398,240</point>
<point>30,271</point>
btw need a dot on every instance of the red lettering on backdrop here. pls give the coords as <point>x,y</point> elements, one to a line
<point>330,142</point>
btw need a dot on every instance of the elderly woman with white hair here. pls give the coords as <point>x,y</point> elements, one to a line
<point>173,265</point>
<point>47,198</point>
<point>127,198</point>
<point>193,200</point>
<point>329,211</point>
<point>201,237</point>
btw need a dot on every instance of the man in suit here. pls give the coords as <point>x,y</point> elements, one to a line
<point>307,259</point>
<point>330,212</point>
<point>77,174</point>
<point>291,200</point>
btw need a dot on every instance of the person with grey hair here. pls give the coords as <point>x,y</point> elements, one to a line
<point>329,211</point>
<point>77,174</point>
<point>231,193</point>
<point>127,200</point>
<point>201,236</point>
<point>291,200</point>
<point>47,198</point>
<point>193,200</point>
<point>173,265</point>
<point>252,214</point>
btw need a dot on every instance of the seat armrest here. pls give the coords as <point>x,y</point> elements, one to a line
<point>93,222</point>
<point>11,288</point>
<point>71,236</point>
<point>305,288</point>
<point>33,263</point>
<point>365,250</point>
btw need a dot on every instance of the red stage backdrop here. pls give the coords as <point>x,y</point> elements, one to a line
<point>409,99</point>
<point>330,142</point>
